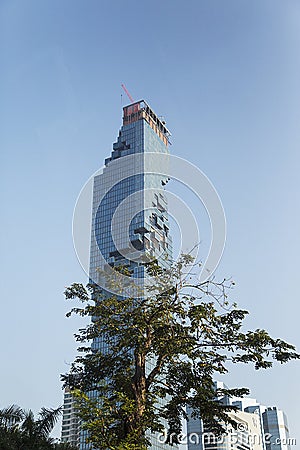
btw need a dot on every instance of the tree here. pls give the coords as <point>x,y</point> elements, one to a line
<point>167,345</point>
<point>19,430</point>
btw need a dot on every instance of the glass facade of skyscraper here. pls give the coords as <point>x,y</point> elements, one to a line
<point>142,225</point>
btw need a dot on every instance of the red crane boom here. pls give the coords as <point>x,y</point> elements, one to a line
<point>127,93</point>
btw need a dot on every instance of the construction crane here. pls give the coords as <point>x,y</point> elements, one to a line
<point>127,93</point>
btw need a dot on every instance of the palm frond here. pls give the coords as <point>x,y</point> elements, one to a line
<point>47,420</point>
<point>10,416</point>
<point>28,424</point>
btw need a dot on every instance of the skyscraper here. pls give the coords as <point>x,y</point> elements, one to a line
<point>129,217</point>
<point>129,213</point>
<point>276,429</point>
<point>70,431</point>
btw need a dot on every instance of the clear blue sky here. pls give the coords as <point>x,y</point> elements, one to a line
<point>225,75</point>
